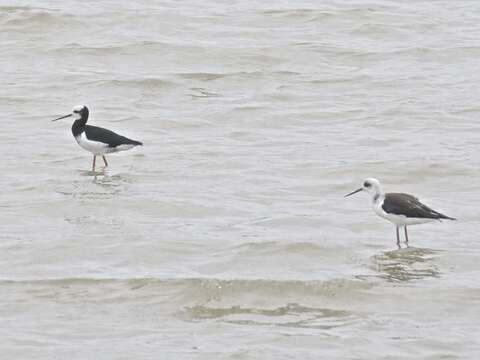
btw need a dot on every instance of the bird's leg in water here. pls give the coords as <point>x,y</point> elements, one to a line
<point>93,163</point>
<point>398,237</point>
<point>105,160</point>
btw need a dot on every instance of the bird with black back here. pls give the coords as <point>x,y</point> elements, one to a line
<point>400,209</point>
<point>97,140</point>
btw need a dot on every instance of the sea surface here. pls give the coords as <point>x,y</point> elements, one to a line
<point>227,236</point>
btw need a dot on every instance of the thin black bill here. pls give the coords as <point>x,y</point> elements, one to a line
<point>354,192</point>
<point>62,117</point>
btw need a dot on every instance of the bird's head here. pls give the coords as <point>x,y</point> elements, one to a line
<point>370,185</point>
<point>78,112</point>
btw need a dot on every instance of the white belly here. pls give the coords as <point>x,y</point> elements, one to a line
<point>95,147</point>
<point>99,148</point>
<point>398,220</point>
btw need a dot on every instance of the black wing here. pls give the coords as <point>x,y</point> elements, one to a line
<point>409,206</point>
<point>106,136</point>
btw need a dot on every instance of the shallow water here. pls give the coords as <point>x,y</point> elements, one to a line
<point>227,235</point>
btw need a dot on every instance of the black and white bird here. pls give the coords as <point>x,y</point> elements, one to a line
<point>97,140</point>
<point>399,208</point>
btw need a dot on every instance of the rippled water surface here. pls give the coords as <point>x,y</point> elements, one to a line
<point>227,235</point>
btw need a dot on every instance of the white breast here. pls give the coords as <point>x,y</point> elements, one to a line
<point>95,147</point>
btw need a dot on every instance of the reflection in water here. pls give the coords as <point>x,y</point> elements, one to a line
<point>290,315</point>
<point>113,181</point>
<point>95,174</point>
<point>406,264</point>
<point>102,185</point>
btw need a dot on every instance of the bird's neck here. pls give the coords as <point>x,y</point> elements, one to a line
<point>78,127</point>
<point>378,196</point>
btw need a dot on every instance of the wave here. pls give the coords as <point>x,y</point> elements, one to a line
<point>205,76</point>
<point>289,315</point>
<point>257,302</point>
<point>202,312</point>
<point>175,281</point>
<point>18,8</point>
<point>260,302</point>
<point>127,48</point>
<point>207,288</point>
<point>144,83</point>
<point>26,17</point>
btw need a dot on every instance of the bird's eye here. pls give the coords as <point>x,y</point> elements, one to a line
<point>367,184</point>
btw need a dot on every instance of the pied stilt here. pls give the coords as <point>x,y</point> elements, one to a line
<point>398,208</point>
<point>97,140</point>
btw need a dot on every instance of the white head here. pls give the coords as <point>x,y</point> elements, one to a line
<point>371,186</point>
<point>79,112</point>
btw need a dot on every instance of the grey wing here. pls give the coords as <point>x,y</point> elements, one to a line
<point>409,206</point>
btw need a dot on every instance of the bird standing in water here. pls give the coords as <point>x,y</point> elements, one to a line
<point>97,140</point>
<point>398,208</point>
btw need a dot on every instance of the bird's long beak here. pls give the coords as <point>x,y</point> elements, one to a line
<point>354,192</point>
<point>62,117</point>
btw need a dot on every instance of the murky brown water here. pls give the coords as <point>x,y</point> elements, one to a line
<point>226,236</point>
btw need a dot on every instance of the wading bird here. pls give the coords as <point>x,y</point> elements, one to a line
<point>97,140</point>
<point>400,209</point>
